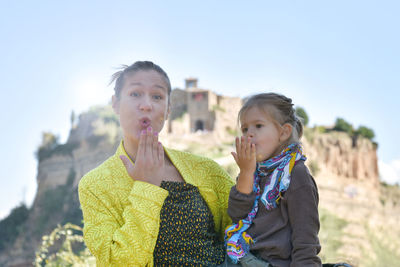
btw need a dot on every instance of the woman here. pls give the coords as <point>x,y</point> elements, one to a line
<point>148,205</point>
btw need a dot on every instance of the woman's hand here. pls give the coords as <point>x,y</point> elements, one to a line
<point>149,163</point>
<point>245,158</point>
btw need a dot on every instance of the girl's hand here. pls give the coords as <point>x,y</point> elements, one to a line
<point>149,163</point>
<point>245,158</point>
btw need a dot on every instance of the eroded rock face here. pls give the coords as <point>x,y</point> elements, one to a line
<point>339,154</point>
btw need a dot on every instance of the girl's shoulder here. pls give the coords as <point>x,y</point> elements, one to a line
<point>301,176</point>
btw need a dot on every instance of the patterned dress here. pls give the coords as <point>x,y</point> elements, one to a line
<point>186,236</point>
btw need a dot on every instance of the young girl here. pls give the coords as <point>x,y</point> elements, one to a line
<point>274,205</point>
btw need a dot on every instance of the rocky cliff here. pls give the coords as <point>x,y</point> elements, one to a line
<point>95,137</point>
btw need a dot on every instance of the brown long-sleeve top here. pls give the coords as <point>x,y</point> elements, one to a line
<point>288,235</point>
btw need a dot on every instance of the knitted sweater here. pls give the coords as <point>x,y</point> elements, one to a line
<point>121,216</point>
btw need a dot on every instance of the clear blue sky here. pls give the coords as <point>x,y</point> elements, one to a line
<point>334,58</point>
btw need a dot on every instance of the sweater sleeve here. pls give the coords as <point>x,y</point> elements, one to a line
<point>302,204</point>
<point>240,204</point>
<point>127,241</point>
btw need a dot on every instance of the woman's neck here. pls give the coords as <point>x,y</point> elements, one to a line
<point>131,148</point>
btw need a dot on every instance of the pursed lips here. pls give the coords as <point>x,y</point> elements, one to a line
<point>144,122</point>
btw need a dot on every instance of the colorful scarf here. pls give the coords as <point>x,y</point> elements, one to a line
<point>279,168</point>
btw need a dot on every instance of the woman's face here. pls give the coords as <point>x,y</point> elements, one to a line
<point>143,102</point>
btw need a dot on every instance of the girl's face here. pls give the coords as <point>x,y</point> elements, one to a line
<point>143,102</point>
<point>263,132</point>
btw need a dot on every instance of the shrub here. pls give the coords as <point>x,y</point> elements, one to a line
<point>343,126</point>
<point>302,114</point>
<point>45,152</point>
<point>233,132</point>
<point>10,226</point>
<point>64,247</point>
<point>321,129</point>
<point>365,132</point>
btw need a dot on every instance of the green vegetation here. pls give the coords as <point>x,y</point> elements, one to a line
<point>12,225</point>
<point>384,255</point>
<point>218,107</point>
<point>50,147</point>
<point>330,235</point>
<point>231,131</point>
<point>343,126</point>
<point>365,132</point>
<point>300,112</point>
<point>390,194</point>
<point>321,129</point>
<point>105,113</point>
<point>64,246</point>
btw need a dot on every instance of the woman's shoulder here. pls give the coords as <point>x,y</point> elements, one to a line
<point>102,175</point>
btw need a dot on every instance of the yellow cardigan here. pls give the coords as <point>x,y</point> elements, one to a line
<point>122,216</point>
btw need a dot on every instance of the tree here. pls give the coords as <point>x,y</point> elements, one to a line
<point>49,143</point>
<point>343,126</point>
<point>300,112</point>
<point>10,226</point>
<point>366,132</point>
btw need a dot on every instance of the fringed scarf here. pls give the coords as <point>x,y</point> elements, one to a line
<point>237,240</point>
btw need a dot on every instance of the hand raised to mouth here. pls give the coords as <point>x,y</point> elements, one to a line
<point>149,163</point>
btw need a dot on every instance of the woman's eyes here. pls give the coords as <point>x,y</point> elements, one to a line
<point>135,94</point>
<point>157,97</point>
<point>259,126</point>
<point>244,130</point>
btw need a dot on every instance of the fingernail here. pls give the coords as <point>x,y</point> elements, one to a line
<point>143,132</point>
<point>156,133</point>
<point>149,129</point>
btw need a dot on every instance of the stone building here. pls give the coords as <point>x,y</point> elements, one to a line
<point>195,109</point>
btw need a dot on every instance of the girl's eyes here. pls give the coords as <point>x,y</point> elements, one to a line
<point>245,129</point>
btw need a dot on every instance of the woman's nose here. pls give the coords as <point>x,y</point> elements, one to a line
<point>145,104</point>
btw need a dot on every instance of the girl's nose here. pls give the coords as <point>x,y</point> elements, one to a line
<point>250,134</point>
